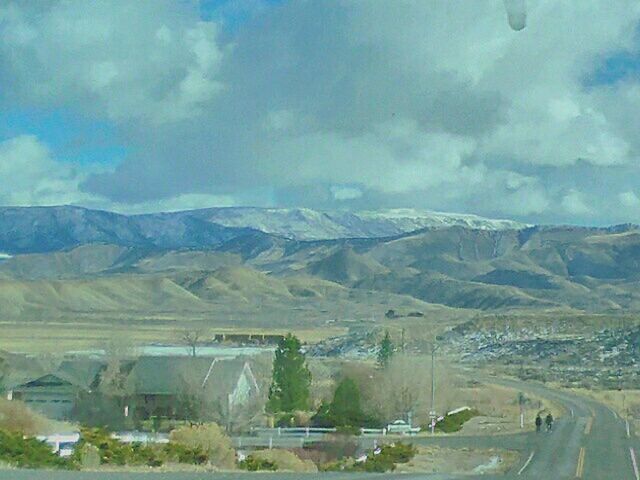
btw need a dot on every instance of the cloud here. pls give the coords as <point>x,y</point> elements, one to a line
<point>341,192</point>
<point>629,199</point>
<point>440,105</point>
<point>31,177</point>
<point>575,203</point>
<point>152,60</point>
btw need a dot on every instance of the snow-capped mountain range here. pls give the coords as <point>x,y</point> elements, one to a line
<point>307,224</point>
<point>45,229</point>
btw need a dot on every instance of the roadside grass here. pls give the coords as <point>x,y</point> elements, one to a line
<point>440,460</point>
<point>625,403</point>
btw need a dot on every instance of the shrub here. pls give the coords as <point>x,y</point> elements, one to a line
<point>387,458</point>
<point>336,447</point>
<point>454,422</point>
<point>285,460</point>
<point>181,454</point>
<point>15,416</point>
<point>254,464</point>
<point>18,451</point>
<point>210,439</point>
<point>113,452</point>
<point>88,456</point>
<point>336,466</point>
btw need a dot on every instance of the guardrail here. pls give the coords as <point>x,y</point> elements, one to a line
<point>311,431</point>
<point>292,431</point>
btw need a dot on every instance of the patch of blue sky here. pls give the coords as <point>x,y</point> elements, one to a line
<point>234,13</point>
<point>615,68</point>
<point>70,137</point>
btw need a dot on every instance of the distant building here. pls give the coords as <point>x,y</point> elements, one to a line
<point>55,393</point>
<point>190,387</point>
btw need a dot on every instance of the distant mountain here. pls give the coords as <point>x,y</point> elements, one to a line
<point>48,229</point>
<point>559,268</point>
<point>270,260</point>
<point>307,224</point>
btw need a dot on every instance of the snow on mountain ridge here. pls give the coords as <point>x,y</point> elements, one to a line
<point>307,224</point>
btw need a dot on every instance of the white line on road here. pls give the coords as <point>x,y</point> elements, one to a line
<point>571,412</point>
<point>634,462</point>
<point>526,464</point>
<point>628,429</point>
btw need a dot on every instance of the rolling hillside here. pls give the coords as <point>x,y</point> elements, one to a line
<point>250,273</point>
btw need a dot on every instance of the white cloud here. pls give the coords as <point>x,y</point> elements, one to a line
<point>575,203</point>
<point>629,199</point>
<point>341,192</point>
<point>191,201</point>
<point>439,104</point>
<point>29,176</point>
<point>150,60</point>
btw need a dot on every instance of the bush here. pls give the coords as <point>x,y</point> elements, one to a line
<point>387,458</point>
<point>254,464</point>
<point>285,460</point>
<point>181,454</point>
<point>15,416</point>
<point>336,447</point>
<point>454,423</point>
<point>336,466</point>
<point>210,439</point>
<point>28,452</point>
<point>88,456</point>
<point>112,452</point>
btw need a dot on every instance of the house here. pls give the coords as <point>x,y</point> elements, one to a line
<point>56,392</point>
<point>192,388</point>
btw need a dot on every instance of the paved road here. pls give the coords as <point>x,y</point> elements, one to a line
<point>590,442</point>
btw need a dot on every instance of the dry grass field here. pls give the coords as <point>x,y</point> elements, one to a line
<point>59,337</point>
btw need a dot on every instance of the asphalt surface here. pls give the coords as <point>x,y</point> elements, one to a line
<point>589,442</point>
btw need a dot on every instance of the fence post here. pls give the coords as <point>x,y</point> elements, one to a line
<point>270,442</point>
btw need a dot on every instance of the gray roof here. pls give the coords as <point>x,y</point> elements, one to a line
<point>82,373</point>
<point>172,375</point>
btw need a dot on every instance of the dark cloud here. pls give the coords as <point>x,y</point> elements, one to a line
<point>343,104</point>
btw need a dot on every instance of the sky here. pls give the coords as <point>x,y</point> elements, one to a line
<point>160,105</point>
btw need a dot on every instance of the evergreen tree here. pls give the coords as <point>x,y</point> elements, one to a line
<point>385,351</point>
<point>291,378</point>
<point>344,410</point>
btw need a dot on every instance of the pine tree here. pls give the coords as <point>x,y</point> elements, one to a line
<point>344,410</point>
<point>385,351</point>
<point>291,378</point>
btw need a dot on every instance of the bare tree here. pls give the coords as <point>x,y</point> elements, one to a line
<point>192,338</point>
<point>119,351</point>
<point>404,387</point>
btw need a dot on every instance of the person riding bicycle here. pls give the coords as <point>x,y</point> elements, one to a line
<point>549,422</point>
<point>538,423</point>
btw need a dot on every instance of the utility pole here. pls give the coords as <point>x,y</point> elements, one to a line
<point>432,414</point>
